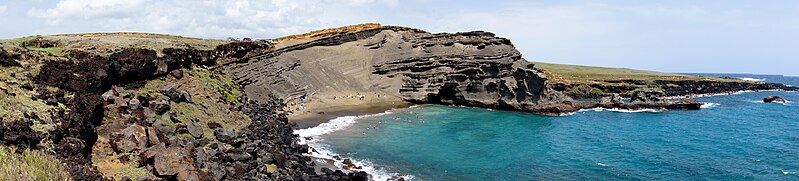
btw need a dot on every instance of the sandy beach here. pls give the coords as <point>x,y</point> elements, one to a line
<point>321,110</point>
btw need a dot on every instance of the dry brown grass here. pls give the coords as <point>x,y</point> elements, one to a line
<point>327,32</point>
<point>30,165</point>
<point>105,43</point>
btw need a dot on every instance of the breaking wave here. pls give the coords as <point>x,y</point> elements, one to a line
<point>752,79</point>
<point>707,105</point>
<point>322,151</point>
<point>602,109</point>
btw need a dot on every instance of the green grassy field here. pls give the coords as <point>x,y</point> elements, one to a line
<point>588,74</point>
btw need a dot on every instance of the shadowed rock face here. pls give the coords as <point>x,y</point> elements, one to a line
<point>472,69</point>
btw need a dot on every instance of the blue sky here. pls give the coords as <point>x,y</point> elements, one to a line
<point>670,36</point>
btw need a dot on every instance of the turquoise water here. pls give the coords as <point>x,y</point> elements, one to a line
<point>741,138</point>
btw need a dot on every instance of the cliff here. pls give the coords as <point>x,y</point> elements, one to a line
<point>353,68</point>
<point>161,107</point>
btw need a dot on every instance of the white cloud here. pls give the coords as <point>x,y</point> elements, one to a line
<point>3,9</point>
<point>205,18</point>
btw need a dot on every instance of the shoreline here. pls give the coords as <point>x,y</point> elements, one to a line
<point>328,159</point>
<point>310,135</point>
<point>313,118</point>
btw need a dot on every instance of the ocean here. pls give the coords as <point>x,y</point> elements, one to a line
<point>735,137</point>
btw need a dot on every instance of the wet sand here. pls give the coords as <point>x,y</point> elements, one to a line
<point>316,116</point>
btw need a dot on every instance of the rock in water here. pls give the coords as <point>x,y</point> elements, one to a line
<point>775,99</point>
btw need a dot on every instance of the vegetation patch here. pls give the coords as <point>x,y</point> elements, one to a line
<point>30,165</point>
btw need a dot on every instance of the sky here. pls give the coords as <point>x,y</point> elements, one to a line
<point>721,36</point>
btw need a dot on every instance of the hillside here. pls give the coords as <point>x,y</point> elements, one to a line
<point>111,106</point>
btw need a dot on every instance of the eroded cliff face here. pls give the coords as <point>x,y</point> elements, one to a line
<point>471,69</point>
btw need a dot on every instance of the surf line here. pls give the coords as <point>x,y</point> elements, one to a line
<point>312,137</point>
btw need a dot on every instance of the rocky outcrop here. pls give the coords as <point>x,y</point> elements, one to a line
<point>776,99</point>
<point>470,69</point>
<point>669,88</point>
<point>8,58</point>
<point>473,68</point>
<point>142,126</point>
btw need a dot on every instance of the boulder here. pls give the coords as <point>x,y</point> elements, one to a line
<point>225,135</point>
<point>194,129</point>
<point>160,105</point>
<point>272,168</point>
<point>164,128</point>
<point>131,139</point>
<point>152,136</point>
<point>242,156</point>
<point>612,99</point>
<point>8,59</point>
<point>359,176</point>
<point>774,99</point>
<point>108,95</point>
<point>213,125</point>
<point>134,104</point>
<point>178,74</point>
<point>171,91</point>
<point>174,161</point>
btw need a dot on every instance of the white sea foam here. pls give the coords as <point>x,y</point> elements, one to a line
<point>602,109</point>
<point>713,95</point>
<point>602,164</point>
<point>788,172</point>
<point>377,173</point>
<point>333,125</point>
<point>323,152</point>
<point>707,105</point>
<point>752,79</point>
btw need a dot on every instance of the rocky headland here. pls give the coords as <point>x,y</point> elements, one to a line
<point>116,106</point>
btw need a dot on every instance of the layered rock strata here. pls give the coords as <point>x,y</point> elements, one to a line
<point>470,69</point>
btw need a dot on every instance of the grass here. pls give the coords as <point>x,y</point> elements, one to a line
<point>130,171</point>
<point>15,101</point>
<point>220,83</point>
<point>212,96</point>
<point>30,165</point>
<point>588,74</point>
<point>106,43</point>
<point>53,51</point>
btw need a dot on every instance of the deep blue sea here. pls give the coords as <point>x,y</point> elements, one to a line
<point>737,138</point>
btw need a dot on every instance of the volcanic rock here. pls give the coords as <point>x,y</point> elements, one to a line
<point>648,95</point>
<point>177,73</point>
<point>194,129</point>
<point>612,99</point>
<point>164,128</point>
<point>131,139</point>
<point>225,135</point>
<point>8,59</point>
<point>776,99</point>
